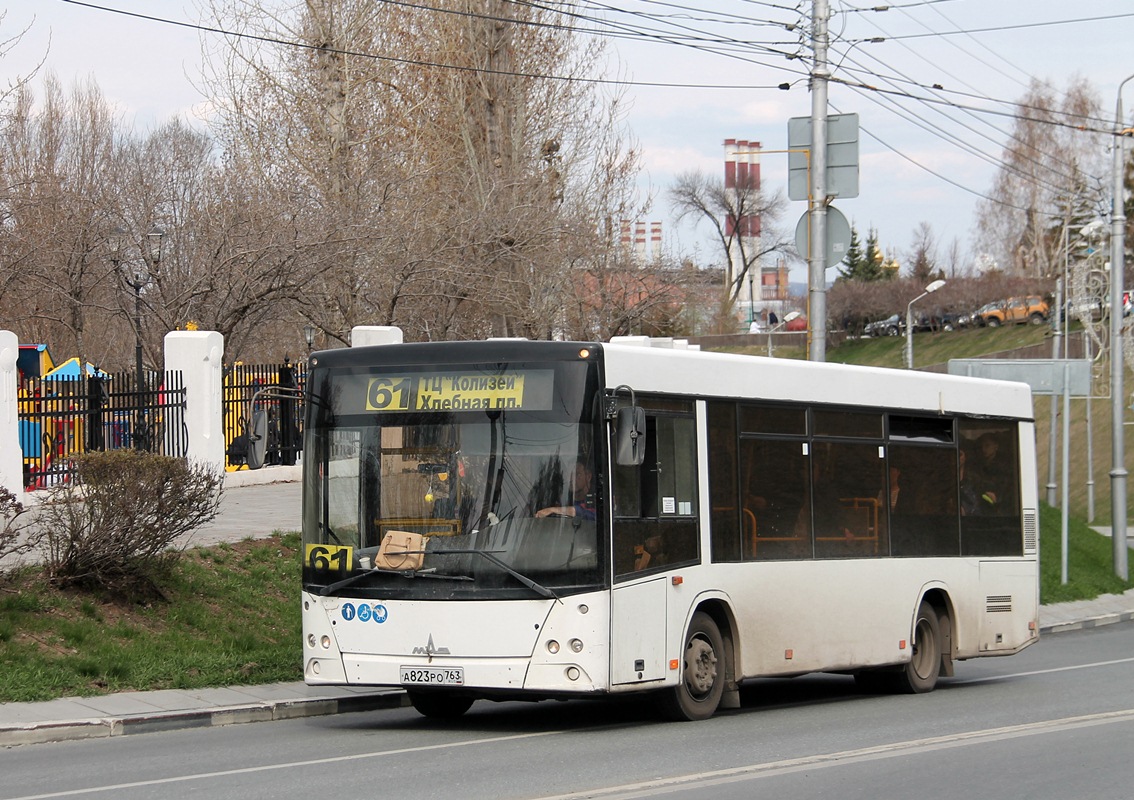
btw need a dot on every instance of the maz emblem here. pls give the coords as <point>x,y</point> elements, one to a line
<point>430,650</point>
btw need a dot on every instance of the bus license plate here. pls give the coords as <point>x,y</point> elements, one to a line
<point>433,676</point>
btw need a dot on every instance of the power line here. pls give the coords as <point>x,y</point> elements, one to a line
<point>417,62</point>
<point>1020,26</point>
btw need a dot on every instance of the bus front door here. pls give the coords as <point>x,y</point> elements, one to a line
<point>637,632</point>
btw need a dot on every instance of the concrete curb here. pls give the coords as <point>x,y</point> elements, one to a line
<point>1089,622</point>
<point>123,725</point>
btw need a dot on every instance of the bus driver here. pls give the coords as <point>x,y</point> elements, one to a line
<point>583,505</point>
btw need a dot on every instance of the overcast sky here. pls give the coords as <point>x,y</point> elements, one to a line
<point>714,66</point>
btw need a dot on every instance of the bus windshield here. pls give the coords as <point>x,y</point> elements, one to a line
<point>452,482</point>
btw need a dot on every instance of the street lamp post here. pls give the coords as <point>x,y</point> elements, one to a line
<point>1117,398</point>
<point>930,289</point>
<point>138,280</point>
<point>751,301</point>
<point>787,318</point>
<point>309,331</point>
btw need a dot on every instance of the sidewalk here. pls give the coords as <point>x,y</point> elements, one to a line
<point>259,512</point>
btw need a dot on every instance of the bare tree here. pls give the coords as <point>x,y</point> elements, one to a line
<point>923,255</point>
<point>708,200</point>
<point>1051,164</point>
<point>440,163</point>
<point>59,159</point>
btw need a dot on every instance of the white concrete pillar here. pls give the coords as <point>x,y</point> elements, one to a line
<point>11,457</point>
<point>363,335</point>
<point>199,356</point>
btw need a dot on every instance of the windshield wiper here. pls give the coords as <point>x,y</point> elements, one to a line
<point>524,579</point>
<point>323,591</point>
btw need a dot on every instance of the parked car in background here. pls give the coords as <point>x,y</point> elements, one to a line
<point>975,319</point>
<point>1033,309</point>
<point>893,325</point>
<point>941,321</point>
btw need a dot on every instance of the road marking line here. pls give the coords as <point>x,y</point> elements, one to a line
<point>1041,672</point>
<point>288,765</point>
<point>705,779</point>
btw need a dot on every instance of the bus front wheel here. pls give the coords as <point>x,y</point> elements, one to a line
<point>439,705</point>
<point>699,691</point>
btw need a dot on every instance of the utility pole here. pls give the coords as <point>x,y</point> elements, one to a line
<point>817,200</point>
<point>1117,362</point>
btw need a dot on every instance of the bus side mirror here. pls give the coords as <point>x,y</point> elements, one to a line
<point>630,441</point>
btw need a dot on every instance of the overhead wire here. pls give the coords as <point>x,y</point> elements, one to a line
<point>211,29</point>
<point>1046,166</point>
<point>969,146</point>
<point>646,35</point>
<point>677,31</point>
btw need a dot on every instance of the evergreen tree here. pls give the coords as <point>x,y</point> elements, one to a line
<point>864,264</point>
<point>852,263</point>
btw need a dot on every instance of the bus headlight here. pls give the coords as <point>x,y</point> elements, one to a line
<point>310,640</point>
<point>325,641</point>
<point>552,646</point>
<point>576,645</point>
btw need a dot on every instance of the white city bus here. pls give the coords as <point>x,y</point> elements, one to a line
<point>514,519</point>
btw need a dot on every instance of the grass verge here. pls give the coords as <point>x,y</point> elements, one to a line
<point>230,616</point>
<point>1090,560</point>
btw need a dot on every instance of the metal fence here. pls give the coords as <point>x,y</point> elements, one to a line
<point>277,389</point>
<point>64,417</point>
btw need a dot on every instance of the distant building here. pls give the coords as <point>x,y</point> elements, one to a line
<point>742,175</point>
<point>767,288</point>
<point>643,240</point>
<point>774,283</point>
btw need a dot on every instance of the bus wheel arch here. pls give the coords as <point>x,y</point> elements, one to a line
<point>920,673</point>
<point>931,644</point>
<point>941,602</point>
<point>706,666</point>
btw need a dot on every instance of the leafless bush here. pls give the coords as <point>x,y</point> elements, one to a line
<point>14,528</point>
<point>114,527</point>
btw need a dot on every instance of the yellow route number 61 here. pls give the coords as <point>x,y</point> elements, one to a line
<point>329,557</point>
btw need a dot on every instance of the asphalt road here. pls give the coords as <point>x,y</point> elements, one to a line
<point>1053,722</point>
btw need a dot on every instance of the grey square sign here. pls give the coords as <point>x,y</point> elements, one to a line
<point>842,156</point>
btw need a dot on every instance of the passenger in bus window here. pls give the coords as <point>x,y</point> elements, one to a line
<point>583,497</point>
<point>902,499</point>
<point>989,475</point>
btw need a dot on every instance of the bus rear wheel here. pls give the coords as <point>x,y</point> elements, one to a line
<point>439,705</point>
<point>699,691</point>
<point>920,673</point>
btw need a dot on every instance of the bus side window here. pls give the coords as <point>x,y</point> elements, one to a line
<point>655,504</point>
<point>991,522</point>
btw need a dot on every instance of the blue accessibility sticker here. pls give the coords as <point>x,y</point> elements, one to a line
<point>365,613</point>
